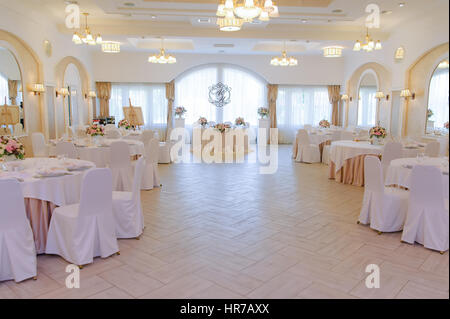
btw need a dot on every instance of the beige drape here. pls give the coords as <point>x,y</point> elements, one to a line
<point>170,96</point>
<point>103,94</point>
<point>334,95</point>
<point>272,100</point>
<point>12,91</point>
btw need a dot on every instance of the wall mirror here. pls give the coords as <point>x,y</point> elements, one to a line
<point>438,98</point>
<point>367,103</point>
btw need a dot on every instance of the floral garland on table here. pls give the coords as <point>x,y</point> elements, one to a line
<point>221,127</point>
<point>324,124</point>
<point>10,146</point>
<point>180,111</point>
<point>446,125</point>
<point>263,112</point>
<point>125,124</point>
<point>95,130</point>
<point>202,121</point>
<point>430,113</point>
<point>377,132</point>
<point>239,121</point>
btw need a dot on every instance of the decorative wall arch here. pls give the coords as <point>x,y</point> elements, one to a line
<point>417,79</point>
<point>31,71</point>
<point>60,70</point>
<point>384,80</point>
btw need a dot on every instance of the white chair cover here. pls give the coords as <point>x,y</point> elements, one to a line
<point>66,149</point>
<point>392,151</point>
<point>384,208</point>
<point>307,152</point>
<point>109,127</point>
<point>40,149</point>
<point>347,136</point>
<point>427,220</point>
<point>151,176</point>
<point>307,127</point>
<point>164,153</point>
<point>81,232</point>
<point>113,134</point>
<point>147,135</point>
<point>127,207</point>
<point>120,164</point>
<point>17,248</point>
<point>433,149</point>
<point>335,136</point>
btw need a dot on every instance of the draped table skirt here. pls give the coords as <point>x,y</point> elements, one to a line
<point>39,213</point>
<point>352,172</point>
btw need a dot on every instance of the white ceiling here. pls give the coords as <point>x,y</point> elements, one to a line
<point>139,26</point>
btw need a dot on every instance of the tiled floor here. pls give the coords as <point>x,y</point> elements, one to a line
<point>224,231</point>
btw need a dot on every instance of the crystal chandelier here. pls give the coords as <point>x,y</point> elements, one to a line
<point>110,47</point>
<point>369,44</point>
<point>284,60</point>
<point>86,36</point>
<point>233,13</point>
<point>162,57</point>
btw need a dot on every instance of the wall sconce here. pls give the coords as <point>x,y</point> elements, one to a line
<point>399,54</point>
<point>63,92</point>
<point>37,88</point>
<point>379,96</point>
<point>345,97</point>
<point>406,94</point>
<point>91,95</point>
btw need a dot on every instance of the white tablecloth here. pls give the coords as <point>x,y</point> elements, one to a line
<point>399,172</point>
<point>344,150</point>
<point>62,190</point>
<point>319,138</point>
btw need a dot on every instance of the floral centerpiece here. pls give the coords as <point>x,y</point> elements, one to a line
<point>125,124</point>
<point>377,133</point>
<point>430,113</point>
<point>324,124</point>
<point>263,112</point>
<point>180,111</point>
<point>202,121</point>
<point>221,127</point>
<point>239,121</point>
<point>446,125</point>
<point>95,130</point>
<point>11,148</point>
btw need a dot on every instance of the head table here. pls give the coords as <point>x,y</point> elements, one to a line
<point>399,171</point>
<point>347,159</point>
<point>44,193</point>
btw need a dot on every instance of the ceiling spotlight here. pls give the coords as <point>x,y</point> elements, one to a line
<point>401,4</point>
<point>129,4</point>
<point>337,11</point>
<point>304,20</point>
<point>386,12</point>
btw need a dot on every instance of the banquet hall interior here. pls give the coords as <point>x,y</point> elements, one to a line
<point>223,149</point>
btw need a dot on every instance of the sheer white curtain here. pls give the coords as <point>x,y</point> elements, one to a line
<point>438,101</point>
<point>3,90</point>
<point>367,106</point>
<point>248,94</point>
<point>151,97</point>
<point>300,105</point>
<point>191,91</point>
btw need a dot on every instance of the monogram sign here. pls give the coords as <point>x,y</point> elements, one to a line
<point>220,94</point>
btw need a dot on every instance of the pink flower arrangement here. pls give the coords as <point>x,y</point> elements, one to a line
<point>95,130</point>
<point>378,132</point>
<point>125,124</point>
<point>324,124</point>
<point>239,121</point>
<point>11,147</point>
<point>180,111</point>
<point>202,121</point>
<point>446,125</point>
<point>263,112</point>
<point>221,127</point>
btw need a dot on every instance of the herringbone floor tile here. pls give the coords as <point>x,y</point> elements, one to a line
<point>225,231</point>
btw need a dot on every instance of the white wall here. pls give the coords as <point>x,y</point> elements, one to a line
<point>8,66</point>
<point>312,70</point>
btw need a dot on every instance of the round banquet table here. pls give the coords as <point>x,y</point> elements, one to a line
<point>100,153</point>
<point>43,194</point>
<point>399,171</point>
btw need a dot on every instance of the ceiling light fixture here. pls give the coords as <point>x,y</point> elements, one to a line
<point>233,14</point>
<point>86,37</point>
<point>162,57</point>
<point>284,60</point>
<point>332,52</point>
<point>368,45</point>
<point>111,47</point>
<point>401,4</point>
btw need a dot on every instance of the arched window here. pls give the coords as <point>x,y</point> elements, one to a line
<point>3,89</point>
<point>367,103</point>
<point>248,93</point>
<point>439,95</point>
